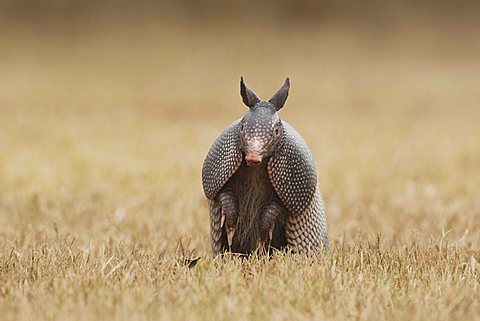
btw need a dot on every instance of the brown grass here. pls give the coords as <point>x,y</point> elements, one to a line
<point>102,136</point>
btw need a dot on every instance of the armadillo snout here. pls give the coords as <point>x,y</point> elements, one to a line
<point>253,158</point>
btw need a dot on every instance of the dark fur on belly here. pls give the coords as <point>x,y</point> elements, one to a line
<point>253,191</point>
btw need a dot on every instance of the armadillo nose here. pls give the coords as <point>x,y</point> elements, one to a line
<point>253,158</point>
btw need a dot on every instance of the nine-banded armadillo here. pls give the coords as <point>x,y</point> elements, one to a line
<point>261,183</point>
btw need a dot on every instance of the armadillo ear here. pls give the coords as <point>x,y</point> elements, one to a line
<point>278,100</point>
<point>248,96</point>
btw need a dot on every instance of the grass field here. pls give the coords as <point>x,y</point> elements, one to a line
<point>103,132</point>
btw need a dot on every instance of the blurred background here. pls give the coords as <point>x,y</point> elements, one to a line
<point>107,109</point>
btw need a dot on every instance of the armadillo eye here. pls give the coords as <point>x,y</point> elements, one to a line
<point>277,131</point>
<point>241,128</point>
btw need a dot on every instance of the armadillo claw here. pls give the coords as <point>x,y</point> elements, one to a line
<point>222,220</point>
<point>261,245</point>
<point>230,233</point>
<point>270,232</point>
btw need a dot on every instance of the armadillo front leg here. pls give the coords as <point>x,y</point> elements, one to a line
<point>229,205</point>
<point>269,216</point>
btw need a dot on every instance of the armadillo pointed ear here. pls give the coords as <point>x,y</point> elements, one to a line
<point>278,100</point>
<point>248,96</point>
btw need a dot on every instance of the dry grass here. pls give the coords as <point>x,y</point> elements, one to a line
<point>102,136</point>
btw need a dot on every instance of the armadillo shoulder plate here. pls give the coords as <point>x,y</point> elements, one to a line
<point>292,171</point>
<point>222,161</point>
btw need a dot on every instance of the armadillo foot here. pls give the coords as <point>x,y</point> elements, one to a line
<point>264,240</point>
<point>229,212</point>
<point>267,222</point>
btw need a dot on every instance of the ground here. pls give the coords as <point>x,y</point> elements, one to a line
<point>102,138</point>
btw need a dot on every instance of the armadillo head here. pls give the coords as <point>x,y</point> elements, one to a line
<point>261,129</point>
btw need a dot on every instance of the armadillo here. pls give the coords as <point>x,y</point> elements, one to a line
<point>260,181</point>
